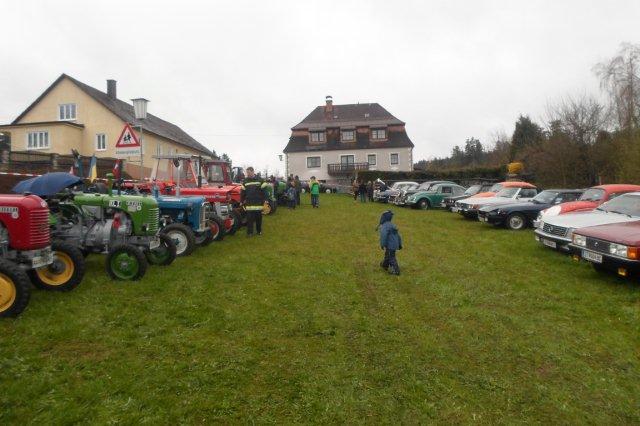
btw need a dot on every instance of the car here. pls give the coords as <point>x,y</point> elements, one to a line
<point>449,202</point>
<point>520,215</point>
<point>590,199</point>
<point>556,232</point>
<point>401,199</point>
<point>509,194</point>
<point>433,196</point>
<point>497,187</point>
<point>383,196</point>
<point>613,247</point>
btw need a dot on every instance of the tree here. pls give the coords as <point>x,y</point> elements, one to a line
<point>226,158</point>
<point>526,134</point>
<point>620,77</point>
<point>473,151</point>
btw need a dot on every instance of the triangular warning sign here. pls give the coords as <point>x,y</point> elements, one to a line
<point>128,138</point>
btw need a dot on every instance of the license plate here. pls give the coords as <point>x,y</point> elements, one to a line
<point>42,260</point>
<point>549,243</point>
<point>155,243</point>
<point>591,256</point>
<point>454,209</point>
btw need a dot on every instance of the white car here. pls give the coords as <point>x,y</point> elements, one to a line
<point>556,231</point>
<point>469,206</point>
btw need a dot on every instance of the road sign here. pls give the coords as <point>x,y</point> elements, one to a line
<point>128,144</point>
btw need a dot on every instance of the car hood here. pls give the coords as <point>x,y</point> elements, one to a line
<point>520,206</point>
<point>488,201</point>
<point>571,206</point>
<point>483,195</point>
<point>627,233</point>
<point>582,219</point>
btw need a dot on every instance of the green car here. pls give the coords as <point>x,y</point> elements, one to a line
<point>433,197</point>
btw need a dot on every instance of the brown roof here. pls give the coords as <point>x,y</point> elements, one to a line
<point>348,115</point>
<point>125,112</point>
<point>396,139</point>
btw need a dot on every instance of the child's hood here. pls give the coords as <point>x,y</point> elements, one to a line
<point>386,216</point>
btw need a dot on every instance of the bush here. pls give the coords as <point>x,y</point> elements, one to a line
<point>475,173</point>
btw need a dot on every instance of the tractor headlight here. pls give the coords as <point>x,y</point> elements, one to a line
<point>579,240</point>
<point>618,250</point>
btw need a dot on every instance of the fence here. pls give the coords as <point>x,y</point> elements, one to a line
<point>40,162</point>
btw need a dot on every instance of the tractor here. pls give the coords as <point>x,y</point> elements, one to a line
<point>29,255</point>
<point>124,227</point>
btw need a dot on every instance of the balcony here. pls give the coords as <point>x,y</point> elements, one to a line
<point>346,168</point>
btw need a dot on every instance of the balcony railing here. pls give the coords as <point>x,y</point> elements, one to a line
<point>346,168</point>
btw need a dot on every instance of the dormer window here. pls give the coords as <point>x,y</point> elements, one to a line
<point>66,112</point>
<point>378,134</point>
<point>348,136</point>
<point>317,137</point>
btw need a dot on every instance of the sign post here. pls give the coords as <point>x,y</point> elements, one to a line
<point>128,145</point>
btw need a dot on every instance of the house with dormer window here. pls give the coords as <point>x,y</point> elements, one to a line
<point>334,142</point>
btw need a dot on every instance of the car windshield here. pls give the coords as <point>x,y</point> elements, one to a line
<point>592,194</point>
<point>496,188</point>
<point>545,197</point>
<point>474,189</point>
<point>425,185</point>
<point>507,192</point>
<point>624,204</point>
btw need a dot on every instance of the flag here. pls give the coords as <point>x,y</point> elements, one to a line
<point>117,169</point>
<point>93,169</point>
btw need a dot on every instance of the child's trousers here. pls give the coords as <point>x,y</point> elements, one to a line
<point>390,262</point>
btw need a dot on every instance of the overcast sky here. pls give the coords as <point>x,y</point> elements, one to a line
<point>238,75</point>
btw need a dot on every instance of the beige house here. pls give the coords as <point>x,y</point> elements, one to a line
<point>72,115</point>
<point>335,141</point>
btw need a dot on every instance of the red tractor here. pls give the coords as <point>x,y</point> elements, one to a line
<point>28,255</point>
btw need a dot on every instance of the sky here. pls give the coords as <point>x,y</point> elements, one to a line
<point>237,75</point>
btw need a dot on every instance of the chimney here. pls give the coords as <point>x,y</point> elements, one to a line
<point>329,106</point>
<point>111,89</point>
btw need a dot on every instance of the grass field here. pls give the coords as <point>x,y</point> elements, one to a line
<point>301,325</point>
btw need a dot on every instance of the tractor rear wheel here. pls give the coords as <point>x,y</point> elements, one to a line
<point>126,262</point>
<point>182,236</point>
<point>14,289</point>
<point>66,271</point>
<point>163,255</point>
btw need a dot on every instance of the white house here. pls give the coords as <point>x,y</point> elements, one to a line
<point>336,141</point>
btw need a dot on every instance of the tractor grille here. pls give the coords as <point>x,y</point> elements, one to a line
<point>154,218</point>
<point>39,227</point>
<point>203,214</point>
<point>598,245</point>
<point>559,231</point>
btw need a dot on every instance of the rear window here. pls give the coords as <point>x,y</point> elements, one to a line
<point>496,188</point>
<point>592,194</point>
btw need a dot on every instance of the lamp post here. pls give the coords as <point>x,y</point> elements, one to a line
<point>140,111</point>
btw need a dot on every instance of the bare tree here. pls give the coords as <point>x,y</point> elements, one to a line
<point>581,118</point>
<point>620,77</point>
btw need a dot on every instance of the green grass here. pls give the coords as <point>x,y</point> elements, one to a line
<point>301,325</point>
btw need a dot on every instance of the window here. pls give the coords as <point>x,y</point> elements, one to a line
<point>394,159</point>
<point>101,142</point>
<point>446,190</point>
<point>159,149</point>
<point>37,140</point>
<point>527,193</point>
<point>67,112</point>
<point>348,135</point>
<point>347,159</point>
<point>378,134</point>
<point>372,159</point>
<point>313,162</point>
<point>317,137</point>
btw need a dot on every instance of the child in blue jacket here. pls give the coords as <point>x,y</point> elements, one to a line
<point>390,241</point>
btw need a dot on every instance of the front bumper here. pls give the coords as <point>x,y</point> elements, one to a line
<point>466,211</point>
<point>620,265</point>
<point>491,217</point>
<point>552,241</point>
<point>33,259</point>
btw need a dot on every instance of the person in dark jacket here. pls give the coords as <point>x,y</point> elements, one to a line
<point>370,191</point>
<point>298,185</point>
<point>390,241</point>
<point>253,197</point>
<point>362,191</point>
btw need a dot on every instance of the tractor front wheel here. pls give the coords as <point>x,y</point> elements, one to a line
<point>126,262</point>
<point>233,222</point>
<point>182,237</point>
<point>163,255</point>
<point>66,271</point>
<point>217,230</point>
<point>14,289</point>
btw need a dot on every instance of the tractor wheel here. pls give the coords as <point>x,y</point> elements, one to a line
<point>233,222</point>
<point>163,255</point>
<point>14,289</point>
<point>126,262</point>
<point>516,222</point>
<point>205,238</point>
<point>66,271</point>
<point>424,204</point>
<point>182,237</point>
<point>217,229</point>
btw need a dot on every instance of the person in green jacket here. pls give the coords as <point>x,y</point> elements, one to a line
<point>314,189</point>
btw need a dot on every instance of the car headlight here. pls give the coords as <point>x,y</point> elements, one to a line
<point>579,240</point>
<point>618,249</point>
<point>475,206</point>
<point>570,233</point>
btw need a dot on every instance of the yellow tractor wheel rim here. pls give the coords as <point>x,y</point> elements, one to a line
<point>7,293</point>
<point>59,275</point>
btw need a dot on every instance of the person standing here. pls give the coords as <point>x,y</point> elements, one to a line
<point>390,242</point>
<point>354,188</point>
<point>253,198</point>
<point>314,189</point>
<point>370,191</point>
<point>362,190</point>
<point>298,186</point>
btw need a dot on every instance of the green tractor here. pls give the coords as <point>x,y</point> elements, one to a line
<point>124,227</point>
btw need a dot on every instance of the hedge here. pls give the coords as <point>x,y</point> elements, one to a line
<point>488,173</point>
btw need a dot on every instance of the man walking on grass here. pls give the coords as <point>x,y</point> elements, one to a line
<point>253,198</point>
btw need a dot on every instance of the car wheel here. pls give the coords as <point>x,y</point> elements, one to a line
<point>516,222</point>
<point>424,204</point>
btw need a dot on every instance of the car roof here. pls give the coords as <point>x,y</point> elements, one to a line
<point>564,190</point>
<point>516,184</point>
<point>618,187</point>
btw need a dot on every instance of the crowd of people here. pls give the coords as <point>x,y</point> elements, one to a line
<point>362,190</point>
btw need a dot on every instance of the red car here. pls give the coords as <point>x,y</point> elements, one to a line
<point>614,247</point>
<point>590,199</point>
